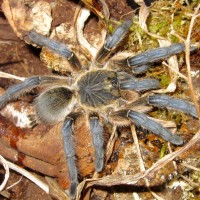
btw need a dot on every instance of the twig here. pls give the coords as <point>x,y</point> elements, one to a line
<point>187,59</point>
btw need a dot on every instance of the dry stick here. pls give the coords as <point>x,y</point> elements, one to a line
<point>187,59</point>
<point>27,174</point>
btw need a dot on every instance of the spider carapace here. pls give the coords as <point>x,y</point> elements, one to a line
<point>98,88</point>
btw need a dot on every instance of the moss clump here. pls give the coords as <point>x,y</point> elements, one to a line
<point>163,150</point>
<point>165,16</point>
<point>170,15</point>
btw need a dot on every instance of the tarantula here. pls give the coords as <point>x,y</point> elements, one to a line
<point>96,93</point>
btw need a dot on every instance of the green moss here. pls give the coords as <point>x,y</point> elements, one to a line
<point>163,150</point>
<point>165,80</point>
<point>165,16</point>
<point>110,28</point>
<point>159,26</point>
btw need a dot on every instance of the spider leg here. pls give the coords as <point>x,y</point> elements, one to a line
<point>143,121</point>
<point>67,134</point>
<point>113,40</point>
<point>98,142</point>
<point>152,55</point>
<point>174,103</point>
<point>141,69</point>
<point>15,91</point>
<point>56,46</point>
<point>128,82</point>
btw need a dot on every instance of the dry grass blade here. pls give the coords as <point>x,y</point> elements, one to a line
<point>7,188</point>
<point>190,167</point>
<point>55,190</point>
<point>190,182</point>
<point>7,174</point>
<point>91,5</point>
<point>111,144</point>
<point>22,171</point>
<point>10,76</point>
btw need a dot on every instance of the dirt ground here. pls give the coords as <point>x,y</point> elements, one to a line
<point>43,143</point>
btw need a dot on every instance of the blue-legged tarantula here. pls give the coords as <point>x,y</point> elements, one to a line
<point>96,93</point>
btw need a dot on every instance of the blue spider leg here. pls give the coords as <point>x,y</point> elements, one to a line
<point>67,134</point>
<point>57,47</point>
<point>129,82</point>
<point>143,121</point>
<point>141,69</point>
<point>15,91</point>
<point>140,119</point>
<point>113,40</point>
<point>140,85</point>
<point>174,103</point>
<point>152,55</point>
<point>98,142</point>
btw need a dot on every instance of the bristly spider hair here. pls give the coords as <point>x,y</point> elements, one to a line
<point>96,93</point>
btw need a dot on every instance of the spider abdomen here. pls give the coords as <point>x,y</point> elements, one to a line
<point>98,88</point>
